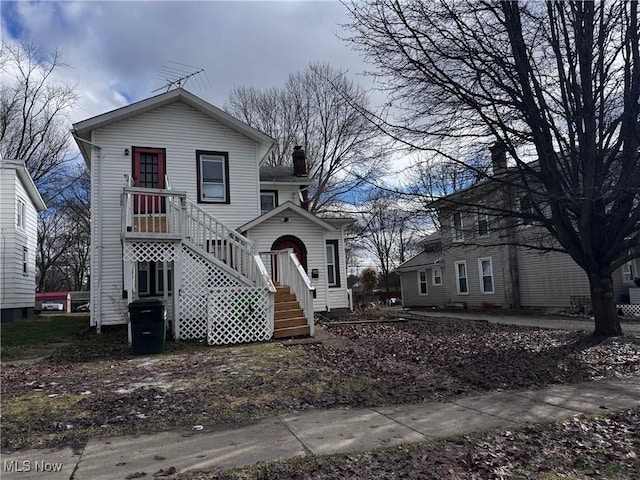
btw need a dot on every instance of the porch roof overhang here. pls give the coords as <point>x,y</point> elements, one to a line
<point>83,129</point>
<point>421,260</point>
<point>282,208</point>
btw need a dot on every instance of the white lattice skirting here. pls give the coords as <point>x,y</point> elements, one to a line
<point>217,306</point>
<point>238,315</point>
<point>151,251</point>
<point>630,310</point>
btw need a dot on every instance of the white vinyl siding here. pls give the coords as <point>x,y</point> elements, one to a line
<point>462,280</point>
<point>423,288</point>
<point>485,270</point>
<point>17,243</point>
<point>181,130</point>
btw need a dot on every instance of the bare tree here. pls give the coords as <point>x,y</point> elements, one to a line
<point>554,82</point>
<point>318,108</point>
<point>64,233</point>
<point>33,110</point>
<point>386,233</point>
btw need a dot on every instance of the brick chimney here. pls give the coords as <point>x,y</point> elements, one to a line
<point>299,162</point>
<point>498,157</point>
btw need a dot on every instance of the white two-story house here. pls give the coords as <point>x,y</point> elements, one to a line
<point>183,210</point>
<point>20,203</point>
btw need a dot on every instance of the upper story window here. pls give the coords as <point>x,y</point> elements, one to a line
<point>526,208</point>
<point>628,274</point>
<point>21,213</point>
<point>213,176</point>
<point>268,200</point>
<point>457,227</point>
<point>483,222</point>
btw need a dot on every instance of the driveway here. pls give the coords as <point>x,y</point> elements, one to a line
<point>530,321</point>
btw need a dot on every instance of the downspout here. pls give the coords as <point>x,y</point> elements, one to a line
<point>97,308</point>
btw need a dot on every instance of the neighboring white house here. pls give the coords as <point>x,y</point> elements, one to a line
<point>180,198</point>
<point>20,203</point>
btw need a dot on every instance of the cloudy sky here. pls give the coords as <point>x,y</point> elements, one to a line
<point>120,51</point>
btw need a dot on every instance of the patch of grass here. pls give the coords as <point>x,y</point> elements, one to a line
<point>17,338</point>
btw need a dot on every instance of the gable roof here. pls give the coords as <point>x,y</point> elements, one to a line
<point>423,259</point>
<point>281,208</point>
<point>83,128</point>
<point>26,180</point>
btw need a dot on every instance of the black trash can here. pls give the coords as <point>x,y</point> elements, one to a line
<point>148,330</point>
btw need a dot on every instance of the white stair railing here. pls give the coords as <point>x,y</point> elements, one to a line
<point>223,243</point>
<point>289,272</point>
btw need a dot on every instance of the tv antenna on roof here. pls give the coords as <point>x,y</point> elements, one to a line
<point>178,75</point>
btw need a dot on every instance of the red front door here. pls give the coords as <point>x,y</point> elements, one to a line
<point>289,241</point>
<point>148,172</point>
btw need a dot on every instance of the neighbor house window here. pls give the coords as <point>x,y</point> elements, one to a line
<point>627,272</point>
<point>485,267</point>
<point>422,283</point>
<point>437,276</point>
<point>526,209</point>
<point>461,278</point>
<point>483,222</point>
<point>213,177</point>
<point>21,213</point>
<point>457,225</point>
<point>25,258</point>
<point>333,265</point>
<point>268,201</point>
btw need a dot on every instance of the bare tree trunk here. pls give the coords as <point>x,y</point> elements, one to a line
<point>604,306</point>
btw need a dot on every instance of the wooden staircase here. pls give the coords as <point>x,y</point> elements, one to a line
<point>289,319</point>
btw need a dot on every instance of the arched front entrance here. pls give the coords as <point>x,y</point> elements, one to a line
<point>290,241</point>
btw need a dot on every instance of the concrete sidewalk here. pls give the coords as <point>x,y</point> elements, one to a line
<point>543,321</point>
<point>317,432</point>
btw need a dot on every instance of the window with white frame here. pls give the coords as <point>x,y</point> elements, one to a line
<point>213,177</point>
<point>457,227</point>
<point>333,264</point>
<point>483,222</point>
<point>25,260</point>
<point>437,276</point>
<point>21,212</point>
<point>462,285</point>
<point>268,201</point>
<point>628,274</point>
<point>422,283</point>
<point>485,268</point>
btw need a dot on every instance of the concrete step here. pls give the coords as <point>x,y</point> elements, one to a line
<point>290,322</point>
<point>292,332</point>
<point>284,314</point>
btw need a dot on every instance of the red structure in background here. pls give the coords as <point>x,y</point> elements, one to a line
<point>58,297</point>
